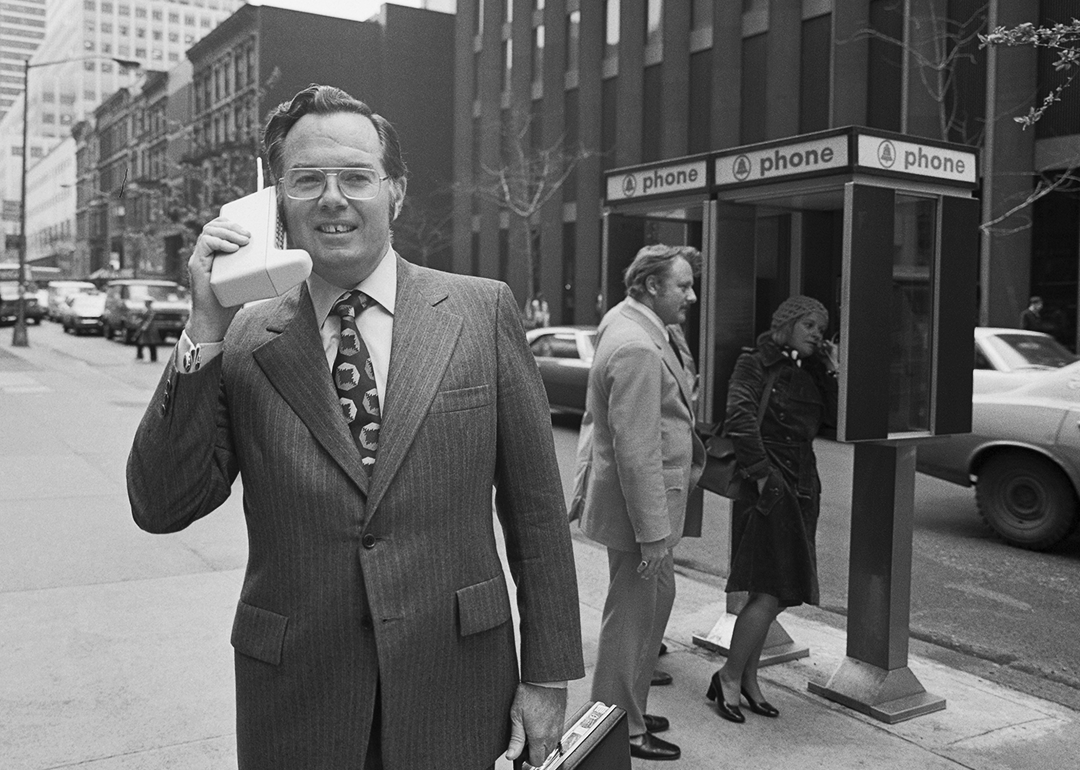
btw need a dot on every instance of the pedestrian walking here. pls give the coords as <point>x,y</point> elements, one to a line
<point>146,333</point>
<point>779,396</point>
<point>1032,318</point>
<point>369,411</point>
<point>642,460</point>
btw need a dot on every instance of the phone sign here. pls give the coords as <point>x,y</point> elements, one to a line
<point>784,160</point>
<point>660,180</point>
<point>918,159</point>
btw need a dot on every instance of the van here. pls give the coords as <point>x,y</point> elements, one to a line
<point>59,292</point>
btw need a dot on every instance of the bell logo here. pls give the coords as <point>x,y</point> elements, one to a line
<point>886,154</point>
<point>629,186</point>
<point>741,168</point>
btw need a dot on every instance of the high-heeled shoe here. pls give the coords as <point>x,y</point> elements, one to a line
<point>726,710</point>
<point>762,707</point>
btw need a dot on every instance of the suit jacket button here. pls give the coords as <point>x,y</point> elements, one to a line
<point>368,540</point>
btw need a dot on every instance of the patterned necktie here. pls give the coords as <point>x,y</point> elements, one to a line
<point>354,379</point>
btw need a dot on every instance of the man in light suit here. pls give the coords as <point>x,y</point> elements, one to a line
<point>374,625</point>
<point>645,459</point>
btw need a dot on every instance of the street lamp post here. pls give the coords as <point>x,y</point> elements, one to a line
<point>19,338</point>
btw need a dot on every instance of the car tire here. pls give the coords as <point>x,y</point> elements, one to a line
<point>106,331</point>
<point>1026,500</point>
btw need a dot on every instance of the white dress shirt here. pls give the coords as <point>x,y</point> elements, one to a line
<point>376,323</point>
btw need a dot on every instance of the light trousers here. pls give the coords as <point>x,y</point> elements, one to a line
<point>636,613</point>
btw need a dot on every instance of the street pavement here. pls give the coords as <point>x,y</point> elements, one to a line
<point>114,644</point>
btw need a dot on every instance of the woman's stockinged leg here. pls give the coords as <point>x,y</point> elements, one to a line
<point>750,672</point>
<point>747,642</point>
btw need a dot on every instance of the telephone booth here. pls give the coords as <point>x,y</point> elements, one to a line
<point>883,229</point>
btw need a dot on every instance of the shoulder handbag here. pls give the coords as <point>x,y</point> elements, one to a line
<point>721,473</point>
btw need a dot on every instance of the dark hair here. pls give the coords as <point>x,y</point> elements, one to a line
<point>656,260</point>
<point>327,100</point>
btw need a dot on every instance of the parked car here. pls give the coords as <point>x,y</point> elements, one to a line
<point>564,355</point>
<point>59,292</point>
<point>125,301</point>
<point>9,304</point>
<point>1007,358</point>
<point>1023,457</point>
<point>83,313</point>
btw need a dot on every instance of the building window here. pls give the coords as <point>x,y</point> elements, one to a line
<point>48,96</point>
<point>612,10</point>
<point>157,34</point>
<point>125,30</point>
<point>140,53</point>
<point>189,19</point>
<point>88,45</point>
<point>155,15</point>
<point>106,7</point>
<point>814,88</point>
<point>884,75</point>
<point>699,125</point>
<point>174,37</point>
<point>89,5</point>
<point>701,14</point>
<point>509,11</point>
<point>609,120</point>
<point>478,20</point>
<point>654,16</point>
<point>106,27</point>
<point>140,32</point>
<point>538,54</point>
<point>173,56</point>
<point>48,117</point>
<point>106,48</point>
<point>124,10</point>
<point>753,89</point>
<point>140,13</point>
<point>573,35</point>
<point>174,18</point>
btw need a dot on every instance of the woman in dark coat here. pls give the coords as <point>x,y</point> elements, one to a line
<point>773,540</point>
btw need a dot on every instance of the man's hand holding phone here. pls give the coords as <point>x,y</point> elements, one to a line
<point>209,320</point>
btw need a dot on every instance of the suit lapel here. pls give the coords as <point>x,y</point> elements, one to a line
<point>294,363</point>
<point>424,340</point>
<point>666,352</point>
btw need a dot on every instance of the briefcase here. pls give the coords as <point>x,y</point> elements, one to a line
<point>596,738</point>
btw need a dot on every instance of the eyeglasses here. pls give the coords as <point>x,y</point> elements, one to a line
<point>357,184</point>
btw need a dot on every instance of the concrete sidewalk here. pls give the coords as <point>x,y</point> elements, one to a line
<point>114,644</point>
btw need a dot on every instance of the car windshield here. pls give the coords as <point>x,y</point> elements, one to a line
<point>1030,351</point>
<point>88,302</point>
<point>161,293</point>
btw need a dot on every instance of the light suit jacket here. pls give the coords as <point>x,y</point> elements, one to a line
<point>392,581</point>
<point>645,456</point>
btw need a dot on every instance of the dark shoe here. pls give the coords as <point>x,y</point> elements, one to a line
<point>727,711</point>
<point>663,648</point>
<point>762,707</point>
<point>654,748</point>
<point>660,678</point>
<point>655,724</point>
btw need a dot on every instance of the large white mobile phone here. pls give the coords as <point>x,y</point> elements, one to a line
<point>264,268</point>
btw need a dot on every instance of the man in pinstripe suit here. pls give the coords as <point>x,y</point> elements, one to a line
<point>374,626</point>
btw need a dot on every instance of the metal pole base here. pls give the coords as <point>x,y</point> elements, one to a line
<point>888,696</point>
<point>779,646</point>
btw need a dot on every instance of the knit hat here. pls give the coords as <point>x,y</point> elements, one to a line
<point>794,308</point>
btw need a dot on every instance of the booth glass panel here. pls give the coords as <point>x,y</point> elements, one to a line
<point>911,317</point>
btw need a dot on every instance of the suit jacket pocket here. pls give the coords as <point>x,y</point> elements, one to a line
<point>461,398</point>
<point>259,633</point>
<point>482,606</point>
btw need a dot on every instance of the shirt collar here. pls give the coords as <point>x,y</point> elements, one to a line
<point>648,311</point>
<point>381,286</point>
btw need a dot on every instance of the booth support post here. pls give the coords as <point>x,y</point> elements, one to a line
<point>874,678</point>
